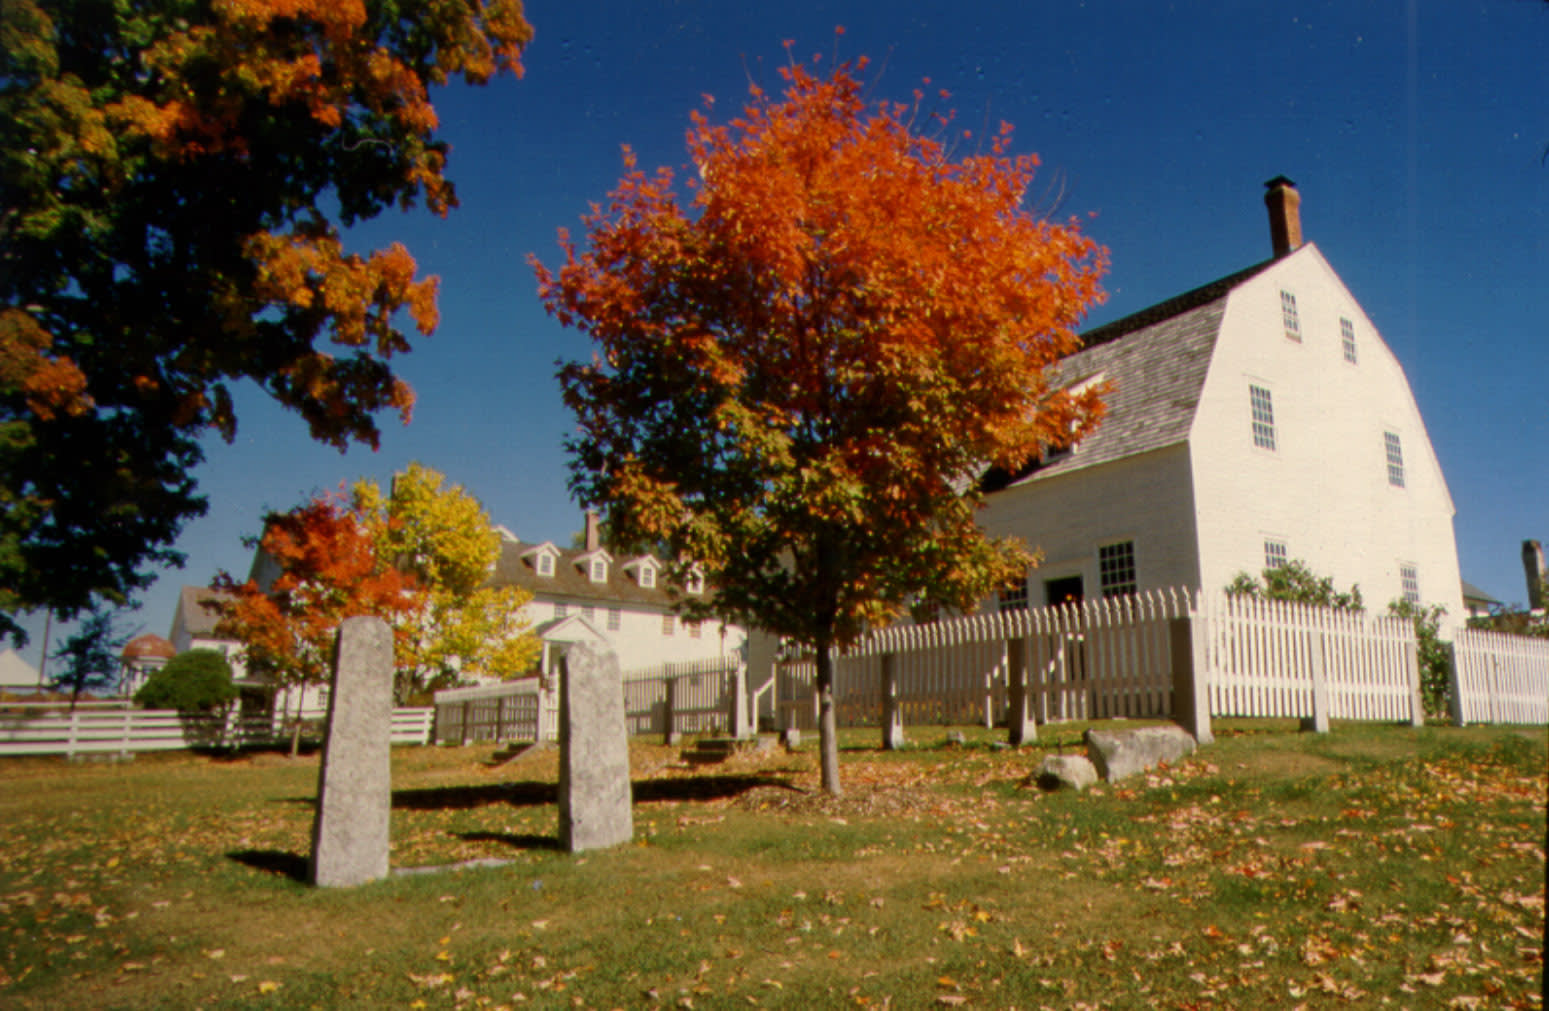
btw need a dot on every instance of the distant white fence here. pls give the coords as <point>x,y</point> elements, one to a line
<point>1499,678</point>
<point>115,728</point>
<point>1155,654</point>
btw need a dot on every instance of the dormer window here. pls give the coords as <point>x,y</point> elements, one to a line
<point>695,583</point>
<point>644,570</point>
<point>543,558</point>
<point>599,571</point>
<point>545,564</point>
<point>647,577</point>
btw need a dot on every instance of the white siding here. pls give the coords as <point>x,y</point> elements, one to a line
<point>1146,499</point>
<point>639,639</point>
<point>1324,490</point>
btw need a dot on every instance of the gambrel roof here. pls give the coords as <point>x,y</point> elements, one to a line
<point>1155,362</point>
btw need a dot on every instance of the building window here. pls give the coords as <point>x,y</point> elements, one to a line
<point>1014,597</point>
<point>695,629</point>
<point>1347,335</point>
<point>561,609</point>
<point>669,624</point>
<point>599,571</point>
<point>647,577</point>
<point>588,612</point>
<point>1116,568</point>
<point>615,619</point>
<point>545,564</point>
<point>695,582</point>
<point>1395,451</point>
<point>1274,554</point>
<point>1409,579</point>
<point>1293,325</point>
<point>1263,417</point>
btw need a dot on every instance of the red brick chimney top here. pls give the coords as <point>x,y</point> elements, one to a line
<point>593,534</point>
<point>1285,215</point>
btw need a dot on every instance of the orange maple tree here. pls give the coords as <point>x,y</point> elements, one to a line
<point>177,180</point>
<point>801,374</point>
<point>320,567</point>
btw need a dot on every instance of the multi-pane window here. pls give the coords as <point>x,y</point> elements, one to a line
<point>1274,554</point>
<point>588,612</point>
<point>599,571</point>
<point>695,629</point>
<point>1293,324</point>
<point>545,565</point>
<point>1263,417</point>
<point>1395,451</point>
<point>1409,579</point>
<point>669,624</point>
<point>615,619</point>
<point>561,609</point>
<point>1347,336</point>
<point>1014,597</point>
<point>1116,568</point>
<point>647,577</point>
<point>695,583</point>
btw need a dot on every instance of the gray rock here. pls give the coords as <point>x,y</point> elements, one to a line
<point>1121,754</point>
<point>1075,772</point>
<point>957,738</point>
<point>791,738</point>
<point>354,785</point>
<point>594,792</point>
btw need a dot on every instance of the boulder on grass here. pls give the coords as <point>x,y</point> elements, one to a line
<point>1120,754</point>
<point>1074,772</point>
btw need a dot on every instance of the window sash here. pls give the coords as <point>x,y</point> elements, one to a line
<point>1262,405</point>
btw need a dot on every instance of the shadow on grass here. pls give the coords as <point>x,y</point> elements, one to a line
<point>532,793</point>
<point>280,862</point>
<point>521,841</point>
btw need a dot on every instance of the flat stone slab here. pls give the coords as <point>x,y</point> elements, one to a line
<point>1071,772</point>
<point>1125,753</point>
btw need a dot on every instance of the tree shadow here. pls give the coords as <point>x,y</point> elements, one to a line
<point>536,793</point>
<point>281,862</point>
<point>516,840</point>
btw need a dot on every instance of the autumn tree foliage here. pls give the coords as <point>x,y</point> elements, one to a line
<point>175,177</point>
<point>803,365</point>
<point>458,624</point>
<point>325,569</point>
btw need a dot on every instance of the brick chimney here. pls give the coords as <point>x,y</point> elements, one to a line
<point>593,534</point>
<point>1533,568</point>
<point>1285,215</point>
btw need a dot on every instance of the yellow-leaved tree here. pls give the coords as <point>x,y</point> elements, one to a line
<point>461,626</point>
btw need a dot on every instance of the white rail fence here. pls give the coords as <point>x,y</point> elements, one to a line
<point>116,729</point>
<point>1499,678</point>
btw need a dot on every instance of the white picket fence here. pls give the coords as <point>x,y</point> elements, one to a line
<point>1267,658</point>
<point>1499,678</point>
<point>116,728</point>
<point>1119,658</point>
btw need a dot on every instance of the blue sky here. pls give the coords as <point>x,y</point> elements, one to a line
<point>1416,133</point>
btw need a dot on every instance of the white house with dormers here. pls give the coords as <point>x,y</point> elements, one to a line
<point>1256,419</point>
<point>626,603</point>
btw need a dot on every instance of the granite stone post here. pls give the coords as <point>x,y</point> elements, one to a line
<point>1318,721</point>
<point>354,786</point>
<point>892,713</point>
<point>1020,728</point>
<point>1191,695</point>
<point>594,791</point>
<point>740,719</point>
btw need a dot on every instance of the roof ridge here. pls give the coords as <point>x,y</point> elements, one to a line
<point>1168,308</point>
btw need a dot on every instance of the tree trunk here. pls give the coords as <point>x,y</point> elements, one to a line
<point>828,728</point>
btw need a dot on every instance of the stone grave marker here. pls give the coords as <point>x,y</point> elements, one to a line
<point>354,788</point>
<point>594,790</point>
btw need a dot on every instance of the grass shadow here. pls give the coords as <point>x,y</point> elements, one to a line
<point>536,793</point>
<point>516,840</point>
<point>281,862</point>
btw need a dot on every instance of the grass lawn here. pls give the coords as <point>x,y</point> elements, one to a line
<point>1373,866</point>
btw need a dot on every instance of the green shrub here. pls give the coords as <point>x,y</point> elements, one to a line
<point>198,681</point>
<point>1435,657</point>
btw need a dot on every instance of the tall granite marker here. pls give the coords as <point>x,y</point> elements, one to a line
<point>354,786</point>
<point>594,792</point>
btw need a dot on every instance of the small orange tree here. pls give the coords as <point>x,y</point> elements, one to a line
<point>800,375</point>
<point>327,571</point>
